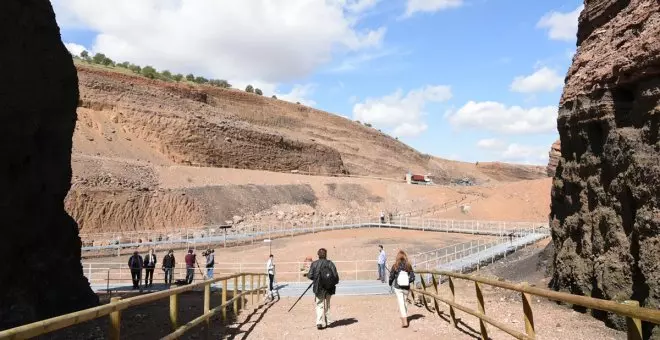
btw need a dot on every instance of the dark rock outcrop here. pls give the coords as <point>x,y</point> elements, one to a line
<point>553,159</point>
<point>605,210</point>
<point>40,275</point>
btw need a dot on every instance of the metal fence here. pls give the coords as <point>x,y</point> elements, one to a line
<point>107,243</point>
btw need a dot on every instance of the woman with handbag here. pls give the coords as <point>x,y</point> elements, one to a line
<point>402,276</point>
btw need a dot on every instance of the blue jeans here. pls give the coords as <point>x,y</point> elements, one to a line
<point>381,272</point>
<point>168,276</point>
<point>209,272</point>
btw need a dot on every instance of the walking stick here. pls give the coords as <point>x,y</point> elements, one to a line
<point>303,294</point>
<point>200,268</point>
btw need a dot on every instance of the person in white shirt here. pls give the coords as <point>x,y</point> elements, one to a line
<point>270,269</point>
<point>381,263</point>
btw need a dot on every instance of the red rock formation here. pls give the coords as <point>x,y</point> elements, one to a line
<point>553,160</point>
<point>40,275</point>
<point>606,194</point>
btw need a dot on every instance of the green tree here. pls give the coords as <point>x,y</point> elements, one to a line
<point>190,77</point>
<point>125,64</point>
<point>177,77</point>
<point>258,91</point>
<point>274,97</point>
<point>85,56</point>
<point>249,89</point>
<point>367,125</point>
<point>99,58</point>
<point>135,68</point>
<point>166,74</point>
<point>149,72</point>
<point>201,80</point>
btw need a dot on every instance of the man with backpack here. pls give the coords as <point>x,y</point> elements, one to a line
<point>210,262</point>
<point>168,266</point>
<point>149,266</point>
<point>325,278</point>
<point>135,264</point>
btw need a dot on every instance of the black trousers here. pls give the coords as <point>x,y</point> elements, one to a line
<point>271,278</point>
<point>136,275</point>
<point>148,276</point>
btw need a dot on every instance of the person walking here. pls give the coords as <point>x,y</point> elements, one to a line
<point>168,266</point>
<point>149,266</point>
<point>325,278</point>
<point>191,259</point>
<point>382,258</point>
<point>135,264</point>
<point>210,262</point>
<point>382,217</point>
<point>402,276</point>
<point>270,269</point>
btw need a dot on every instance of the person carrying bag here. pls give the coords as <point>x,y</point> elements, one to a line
<point>401,277</point>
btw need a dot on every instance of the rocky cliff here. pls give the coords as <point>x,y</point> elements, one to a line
<point>41,275</point>
<point>553,158</point>
<point>605,209</point>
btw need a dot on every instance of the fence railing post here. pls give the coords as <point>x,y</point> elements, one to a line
<point>529,315</point>
<point>634,325</point>
<point>224,299</point>
<point>452,314</point>
<point>115,321</point>
<point>174,311</point>
<point>234,296</point>
<point>242,303</point>
<point>207,303</point>
<point>482,310</point>
<point>252,291</point>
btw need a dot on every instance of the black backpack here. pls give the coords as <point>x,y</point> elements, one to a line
<point>327,279</point>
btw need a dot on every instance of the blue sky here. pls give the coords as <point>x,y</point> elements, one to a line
<point>473,80</point>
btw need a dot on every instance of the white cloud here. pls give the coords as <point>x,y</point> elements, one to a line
<point>414,6</point>
<point>490,144</point>
<point>403,113</point>
<point>75,49</point>
<point>497,117</point>
<point>527,154</point>
<point>543,80</point>
<point>561,26</point>
<point>272,41</point>
<point>299,93</point>
<point>355,61</point>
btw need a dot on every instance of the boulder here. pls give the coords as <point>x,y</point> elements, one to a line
<point>605,204</point>
<point>41,276</point>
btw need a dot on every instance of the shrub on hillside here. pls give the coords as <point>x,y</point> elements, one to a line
<point>274,97</point>
<point>190,77</point>
<point>258,91</point>
<point>135,68</point>
<point>201,80</point>
<point>166,74</point>
<point>149,72</point>
<point>249,89</point>
<point>177,77</point>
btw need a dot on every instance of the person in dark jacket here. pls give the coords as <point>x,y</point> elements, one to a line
<point>402,267</point>
<point>135,264</point>
<point>168,266</point>
<point>191,260</point>
<point>149,266</point>
<point>322,294</point>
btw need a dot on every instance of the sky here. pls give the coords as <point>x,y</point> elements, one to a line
<point>471,80</point>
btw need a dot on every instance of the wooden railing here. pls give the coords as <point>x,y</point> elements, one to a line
<point>116,305</point>
<point>629,309</point>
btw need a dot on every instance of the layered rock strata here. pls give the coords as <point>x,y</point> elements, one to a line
<point>605,209</point>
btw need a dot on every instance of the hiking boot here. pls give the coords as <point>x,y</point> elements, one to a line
<point>319,327</point>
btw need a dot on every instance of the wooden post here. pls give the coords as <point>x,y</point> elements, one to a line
<point>207,303</point>
<point>482,310</point>
<point>527,310</point>
<point>234,296</point>
<point>634,325</point>
<point>252,291</point>
<point>452,314</point>
<point>174,311</point>
<point>258,288</point>
<point>115,321</point>
<point>421,277</point>
<point>242,305</point>
<point>224,299</point>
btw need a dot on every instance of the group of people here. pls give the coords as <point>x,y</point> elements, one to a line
<point>137,263</point>
<point>325,278</point>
